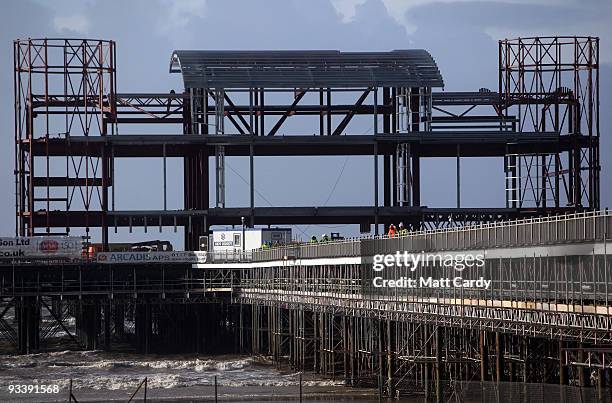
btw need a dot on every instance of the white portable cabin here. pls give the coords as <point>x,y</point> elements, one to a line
<point>231,240</point>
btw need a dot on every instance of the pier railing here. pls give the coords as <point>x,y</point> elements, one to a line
<point>591,226</point>
<point>343,248</point>
<point>229,256</point>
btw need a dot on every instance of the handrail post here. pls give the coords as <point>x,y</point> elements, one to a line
<point>216,398</point>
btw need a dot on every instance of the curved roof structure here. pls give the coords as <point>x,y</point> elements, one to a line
<point>305,69</point>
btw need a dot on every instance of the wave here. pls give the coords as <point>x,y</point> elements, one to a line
<point>99,370</point>
<point>198,365</point>
<point>279,382</point>
<point>102,360</point>
<point>116,382</point>
<point>169,381</point>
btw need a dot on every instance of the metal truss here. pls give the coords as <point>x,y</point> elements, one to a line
<point>406,357</point>
<point>63,88</point>
<point>149,108</point>
<point>558,325</point>
<point>552,84</point>
<point>590,357</point>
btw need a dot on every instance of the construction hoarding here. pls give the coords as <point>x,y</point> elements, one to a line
<point>41,247</point>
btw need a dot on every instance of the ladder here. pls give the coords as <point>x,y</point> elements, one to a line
<point>220,150</point>
<point>403,168</point>
<point>512,180</point>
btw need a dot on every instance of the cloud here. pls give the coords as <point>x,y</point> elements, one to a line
<point>347,8</point>
<point>76,23</point>
<point>398,9</point>
<point>181,13</point>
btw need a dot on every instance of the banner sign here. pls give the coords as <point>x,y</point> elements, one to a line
<point>41,247</point>
<point>151,257</point>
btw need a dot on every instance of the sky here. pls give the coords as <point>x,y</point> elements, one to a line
<point>461,35</point>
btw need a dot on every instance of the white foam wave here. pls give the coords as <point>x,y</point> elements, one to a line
<point>198,365</point>
<point>277,382</point>
<point>100,370</point>
<point>118,382</point>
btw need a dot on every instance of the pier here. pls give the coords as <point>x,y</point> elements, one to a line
<point>529,319</point>
<point>544,323</point>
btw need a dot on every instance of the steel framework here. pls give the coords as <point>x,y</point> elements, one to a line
<point>543,122</point>
<point>63,88</point>
<point>552,83</point>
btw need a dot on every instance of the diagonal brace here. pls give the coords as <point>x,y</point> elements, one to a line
<point>349,116</point>
<point>230,117</point>
<point>287,113</point>
<point>61,323</point>
<point>6,308</point>
<point>237,112</point>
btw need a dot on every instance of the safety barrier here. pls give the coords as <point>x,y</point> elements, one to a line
<point>591,226</point>
<point>343,248</point>
<point>571,228</point>
<point>229,256</point>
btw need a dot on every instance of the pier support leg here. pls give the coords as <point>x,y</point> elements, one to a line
<point>352,350</point>
<point>601,386</point>
<point>241,329</point>
<point>610,382</point>
<point>107,326</point>
<point>563,375</point>
<point>143,328</point>
<point>88,324</point>
<point>499,357</point>
<point>119,320</point>
<point>526,367</point>
<point>345,355</point>
<point>439,366</point>
<point>427,365</point>
<point>28,322</point>
<point>316,345</point>
<point>390,366</point>
<point>484,357</point>
<point>381,351</point>
<point>583,375</point>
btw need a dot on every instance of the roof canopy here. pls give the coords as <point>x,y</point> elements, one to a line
<point>305,69</point>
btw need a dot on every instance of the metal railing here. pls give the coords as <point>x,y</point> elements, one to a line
<point>590,226</point>
<point>343,248</point>
<point>228,256</point>
<point>146,281</point>
<point>548,280</point>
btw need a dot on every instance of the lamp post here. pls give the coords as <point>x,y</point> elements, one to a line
<point>243,240</point>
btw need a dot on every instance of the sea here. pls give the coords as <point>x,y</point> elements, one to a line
<point>100,376</point>
<point>103,376</point>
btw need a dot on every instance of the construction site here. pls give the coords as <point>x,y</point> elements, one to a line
<point>540,330</point>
